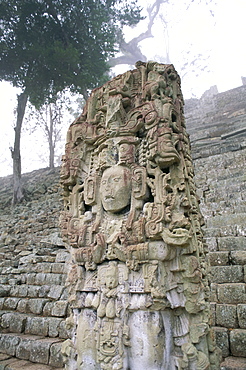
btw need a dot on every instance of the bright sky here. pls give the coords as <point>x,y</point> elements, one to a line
<point>219,38</point>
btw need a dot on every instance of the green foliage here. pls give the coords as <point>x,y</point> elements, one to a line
<point>49,45</point>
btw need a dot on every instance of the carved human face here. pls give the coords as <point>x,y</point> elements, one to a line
<point>115,188</point>
<point>111,279</point>
<point>126,153</point>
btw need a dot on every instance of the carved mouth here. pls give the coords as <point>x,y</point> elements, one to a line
<point>109,197</point>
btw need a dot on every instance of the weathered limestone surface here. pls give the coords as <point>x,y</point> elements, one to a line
<point>138,286</point>
<point>221,182</point>
<point>217,125</point>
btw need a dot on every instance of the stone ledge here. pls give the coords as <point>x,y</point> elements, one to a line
<point>12,363</point>
<point>23,323</point>
<point>227,274</point>
<point>233,363</point>
<point>238,343</point>
<point>32,348</point>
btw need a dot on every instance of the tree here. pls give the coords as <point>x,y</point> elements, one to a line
<point>49,45</point>
<point>161,10</point>
<point>48,123</point>
<point>131,51</point>
<point>48,118</point>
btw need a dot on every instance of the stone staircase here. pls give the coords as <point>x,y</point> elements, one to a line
<point>33,258</point>
<point>33,308</point>
<point>33,296</point>
<point>217,128</point>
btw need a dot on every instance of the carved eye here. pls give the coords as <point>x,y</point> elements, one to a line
<point>104,182</point>
<point>116,179</point>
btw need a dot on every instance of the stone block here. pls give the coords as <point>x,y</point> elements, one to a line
<point>55,355</point>
<point>21,364</point>
<point>240,230</point>
<point>48,308</point>
<point>222,340</point>
<point>219,258</point>
<point>241,314</point>
<point>3,279</point>
<point>212,244</point>
<point>63,279</point>
<point>231,293</point>
<point>65,295</point>
<point>233,363</point>
<point>44,291</point>
<point>1,303</point>
<point>229,220</point>
<point>58,268</point>
<point>213,292</point>
<point>53,325</point>
<point>62,256</point>
<point>227,274</point>
<point>238,257</point>
<point>22,291</point>
<point>53,279</point>
<point>55,292</point>
<point>23,349</point>
<point>232,243</point>
<point>59,309</point>
<point>36,305</point>
<point>226,315</point>
<point>8,343</point>
<point>15,291</point>
<point>43,267</point>
<point>63,333</point>
<point>22,305</point>
<point>40,278</point>
<point>212,232</point>
<point>238,342</point>
<point>8,362</point>
<point>213,314</point>
<point>37,326</point>
<point>30,278</point>
<point>3,357</point>
<point>244,273</point>
<point>33,291</point>
<point>40,350</point>
<point>14,322</point>
<point>228,230</point>
<point>10,303</point>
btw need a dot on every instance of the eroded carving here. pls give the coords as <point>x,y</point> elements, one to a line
<point>138,283</point>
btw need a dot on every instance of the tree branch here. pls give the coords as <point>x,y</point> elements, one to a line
<point>131,50</point>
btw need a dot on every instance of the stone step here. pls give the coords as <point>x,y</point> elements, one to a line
<point>16,276</point>
<point>12,363</point>
<point>233,363</point>
<point>14,322</point>
<point>52,292</point>
<point>37,349</point>
<point>37,306</point>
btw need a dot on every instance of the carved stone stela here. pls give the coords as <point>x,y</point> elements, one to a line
<point>138,283</point>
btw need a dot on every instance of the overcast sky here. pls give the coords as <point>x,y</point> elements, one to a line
<point>219,39</point>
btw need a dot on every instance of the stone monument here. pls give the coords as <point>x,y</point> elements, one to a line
<point>138,285</point>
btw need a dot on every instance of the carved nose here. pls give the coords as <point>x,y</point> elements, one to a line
<point>109,187</point>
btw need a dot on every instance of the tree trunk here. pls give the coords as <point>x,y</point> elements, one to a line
<point>51,144</point>
<point>18,191</point>
<point>52,157</point>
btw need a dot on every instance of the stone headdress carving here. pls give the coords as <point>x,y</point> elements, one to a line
<point>138,284</point>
